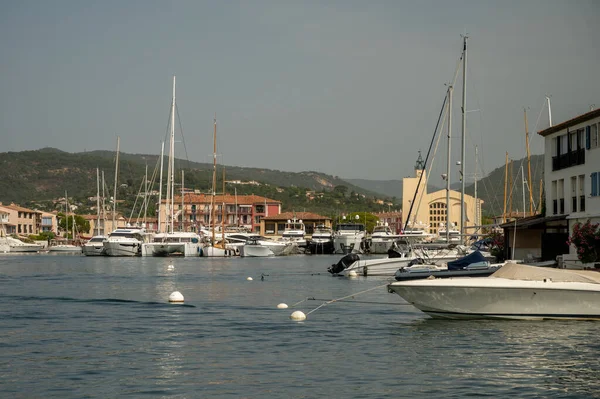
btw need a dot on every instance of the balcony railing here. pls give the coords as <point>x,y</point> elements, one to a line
<point>572,158</point>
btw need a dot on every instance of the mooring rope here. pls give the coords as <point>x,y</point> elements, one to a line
<point>344,297</point>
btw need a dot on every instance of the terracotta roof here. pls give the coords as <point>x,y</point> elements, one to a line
<point>19,208</point>
<point>298,216</point>
<point>227,198</point>
<point>571,122</point>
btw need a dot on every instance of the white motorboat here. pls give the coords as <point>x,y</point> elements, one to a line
<point>474,264</point>
<point>382,239</point>
<point>402,254</point>
<point>94,246</point>
<point>180,243</point>
<point>253,248</point>
<point>11,244</point>
<point>348,238</point>
<point>294,231</point>
<point>279,248</point>
<point>321,241</point>
<point>515,291</point>
<point>125,242</point>
<point>65,248</point>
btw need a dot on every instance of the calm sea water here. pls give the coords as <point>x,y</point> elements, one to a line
<point>86,327</point>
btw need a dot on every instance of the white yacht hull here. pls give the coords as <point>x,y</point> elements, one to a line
<point>25,248</point>
<point>380,246</point>
<point>256,251</point>
<point>345,244</point>
<point>122,248</point>
<point>65,248</point>
<point>93,249</point>
<point>188,249</point>
<point>217,252</point>
<point>491,297</point>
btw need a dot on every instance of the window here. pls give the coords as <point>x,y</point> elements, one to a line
<point>581,193</point>
<point>594,180</point>
<point>574,194</point>
<point>594,136</point>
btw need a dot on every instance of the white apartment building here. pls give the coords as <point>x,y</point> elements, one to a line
<point>572,173</point>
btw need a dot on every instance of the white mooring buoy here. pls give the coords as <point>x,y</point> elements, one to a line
<point>282,306</point>
<point>176,297</point>
<point>298,316</point>
<point>352,273</point>
<point>249,279</point>
<point>170,267</point>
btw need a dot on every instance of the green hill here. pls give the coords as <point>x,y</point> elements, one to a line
<point>41,176</point>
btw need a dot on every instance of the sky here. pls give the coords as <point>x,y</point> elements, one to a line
<point>348,88</point>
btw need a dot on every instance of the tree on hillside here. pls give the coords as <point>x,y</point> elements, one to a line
<point>340,191</point>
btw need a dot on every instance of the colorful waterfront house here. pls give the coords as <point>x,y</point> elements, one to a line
<point>275,225</point>
<point>194,212</point>
<point>25,221</point>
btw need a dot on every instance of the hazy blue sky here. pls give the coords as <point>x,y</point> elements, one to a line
<point>349,88</point>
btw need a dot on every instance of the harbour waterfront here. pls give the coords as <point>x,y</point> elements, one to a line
<point>98,327</point>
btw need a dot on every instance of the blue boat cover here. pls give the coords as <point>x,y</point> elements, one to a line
<point>459,264</point>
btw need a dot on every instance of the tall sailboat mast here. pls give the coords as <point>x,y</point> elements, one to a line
<point>170,168</point>
<point>464,133</point>
<point>103,206</point>
<point>114,215</point>
<point>98,200</point>
<point>162,156</point>
<point>505,183</point>
<point>449,166</point>
<point>528,166</point>
<point>214,180</point>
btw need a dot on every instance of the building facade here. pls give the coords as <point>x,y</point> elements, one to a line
<point>430,209</point>
<point>195,212</point>
<point>21,221</point>
<point>572,173</point>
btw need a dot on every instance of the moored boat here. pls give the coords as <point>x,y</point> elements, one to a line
<point>321,241</point>
<point>515,291</point>
<point>94,246</point>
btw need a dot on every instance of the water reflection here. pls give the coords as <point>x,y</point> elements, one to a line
<point>549,355</point>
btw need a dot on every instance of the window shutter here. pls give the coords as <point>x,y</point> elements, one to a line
<point>587,137</point>
<point>594,184</point>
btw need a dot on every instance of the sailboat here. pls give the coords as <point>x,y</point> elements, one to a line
<point>170,242</point>
<point>423,261</point>
<point>67,248</point>
<point>125,241</point>
<point>214,248</point>
<point>94,246</point>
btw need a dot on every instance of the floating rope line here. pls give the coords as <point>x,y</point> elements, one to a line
<point>344,297</point>
<point>371,302</point>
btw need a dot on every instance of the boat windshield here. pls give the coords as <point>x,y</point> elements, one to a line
<point>125,234</point>
<point>351,227</point>
<point>96,239</point>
